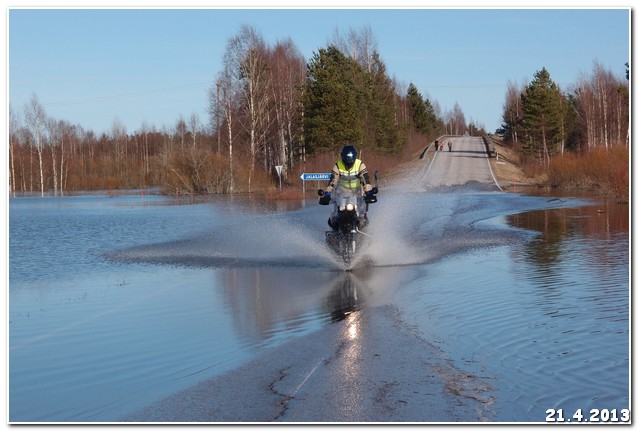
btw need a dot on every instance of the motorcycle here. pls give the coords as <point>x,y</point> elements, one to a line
<point>348,220</point>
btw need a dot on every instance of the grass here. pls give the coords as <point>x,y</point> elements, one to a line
<point>605,172</point>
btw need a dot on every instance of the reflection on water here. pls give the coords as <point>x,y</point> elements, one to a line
<point>547,319</point>
<point>346,298</point>
<point>131,298</point>
<point>602,227</point>
<point>265,309</point>
<point>119,333</point>
<point>595,236</point>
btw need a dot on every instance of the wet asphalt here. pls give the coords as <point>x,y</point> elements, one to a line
<point>368,367</point>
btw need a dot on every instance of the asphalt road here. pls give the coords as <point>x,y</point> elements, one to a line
<point>466,162</point>
<point>369,367</point>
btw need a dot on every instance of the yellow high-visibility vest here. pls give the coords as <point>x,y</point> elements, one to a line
<point>348,178</point>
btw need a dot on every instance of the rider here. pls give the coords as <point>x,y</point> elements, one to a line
<point>351,173</point>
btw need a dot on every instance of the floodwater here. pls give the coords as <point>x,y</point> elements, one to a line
<point>117,302</point>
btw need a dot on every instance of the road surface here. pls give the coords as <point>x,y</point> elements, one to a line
<point>467,162</point>
<point>367,366</point>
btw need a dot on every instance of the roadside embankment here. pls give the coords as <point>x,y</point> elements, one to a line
<point>600,172</point>
<point>506,167</point>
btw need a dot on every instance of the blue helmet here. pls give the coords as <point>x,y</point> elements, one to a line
<point>348,155</point>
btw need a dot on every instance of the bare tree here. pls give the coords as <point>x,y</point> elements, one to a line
<point>36,120</point>
<point>194,125</point>
<point>403,110</point>
<point>226,85</point>
<point>603,107</point>
<point>119,137</point>
<point>600,76</point>
<point>288,73</point>
<point>67,143</point>
<point>512,110</point>
<point>55,136</point>
<point>26,138</point>
<point>181,130</point>
<point>587,110</point>
<point>145,151</point>
<point>458,120</point>
<point>13,138</point>
<point>246,54</point>
<point>215,113</point>
<point>358,45</point>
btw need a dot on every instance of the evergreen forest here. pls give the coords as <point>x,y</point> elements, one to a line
<point>577,139</point>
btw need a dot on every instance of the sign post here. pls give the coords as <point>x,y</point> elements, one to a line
<point>278,168</point>
<point>312,177</point>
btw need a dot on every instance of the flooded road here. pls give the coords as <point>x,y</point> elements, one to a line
<point>468,304</point>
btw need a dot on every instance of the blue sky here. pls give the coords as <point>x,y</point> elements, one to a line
<point>92,66</point>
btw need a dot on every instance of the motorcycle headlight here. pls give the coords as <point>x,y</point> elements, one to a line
<point>350,207</point>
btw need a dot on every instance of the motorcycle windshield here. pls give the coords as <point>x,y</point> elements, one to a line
<point>344,195</point>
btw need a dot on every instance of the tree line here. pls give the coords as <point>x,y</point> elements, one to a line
<point>268,109</point>
<point>544,121</point>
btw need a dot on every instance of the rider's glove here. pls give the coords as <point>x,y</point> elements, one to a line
<point>369,193</point>
<point>325,199</point>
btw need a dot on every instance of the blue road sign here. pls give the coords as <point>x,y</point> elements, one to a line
<point>314,177</point>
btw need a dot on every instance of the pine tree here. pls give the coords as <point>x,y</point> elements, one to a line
<point>544,112</point>
<point>331,102</point>
<point>422,111</point>
<point>378,99</point>
<point>382,127</point>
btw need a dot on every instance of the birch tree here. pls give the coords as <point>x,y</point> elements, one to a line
<point>458,120</point>
<point>36,120</point>
<point>70,141</point>
<point>602,100</point>
<point>119,137</point>
<point>601,85</point>
<point>512,112</point>
<point>361,46</point>
<point>55,137</point>
<point>145,151</point>
<point>194,126</point>
<point>224,100</point>
<point>246,54</point>
<point>14,126</point>
<point>288,75</point>
<point>587,110</point>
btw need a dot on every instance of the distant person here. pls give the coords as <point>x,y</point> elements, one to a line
<point>449,145</point>
<point>376,178</point>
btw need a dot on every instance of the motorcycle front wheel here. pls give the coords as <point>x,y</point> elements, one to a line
<point>349,248</point>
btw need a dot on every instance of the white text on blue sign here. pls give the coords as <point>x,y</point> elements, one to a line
<point>316,177</point>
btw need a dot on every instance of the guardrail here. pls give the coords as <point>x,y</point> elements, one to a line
<point>490,148</point>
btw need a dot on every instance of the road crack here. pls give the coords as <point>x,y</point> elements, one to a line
<point>284,398</point>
